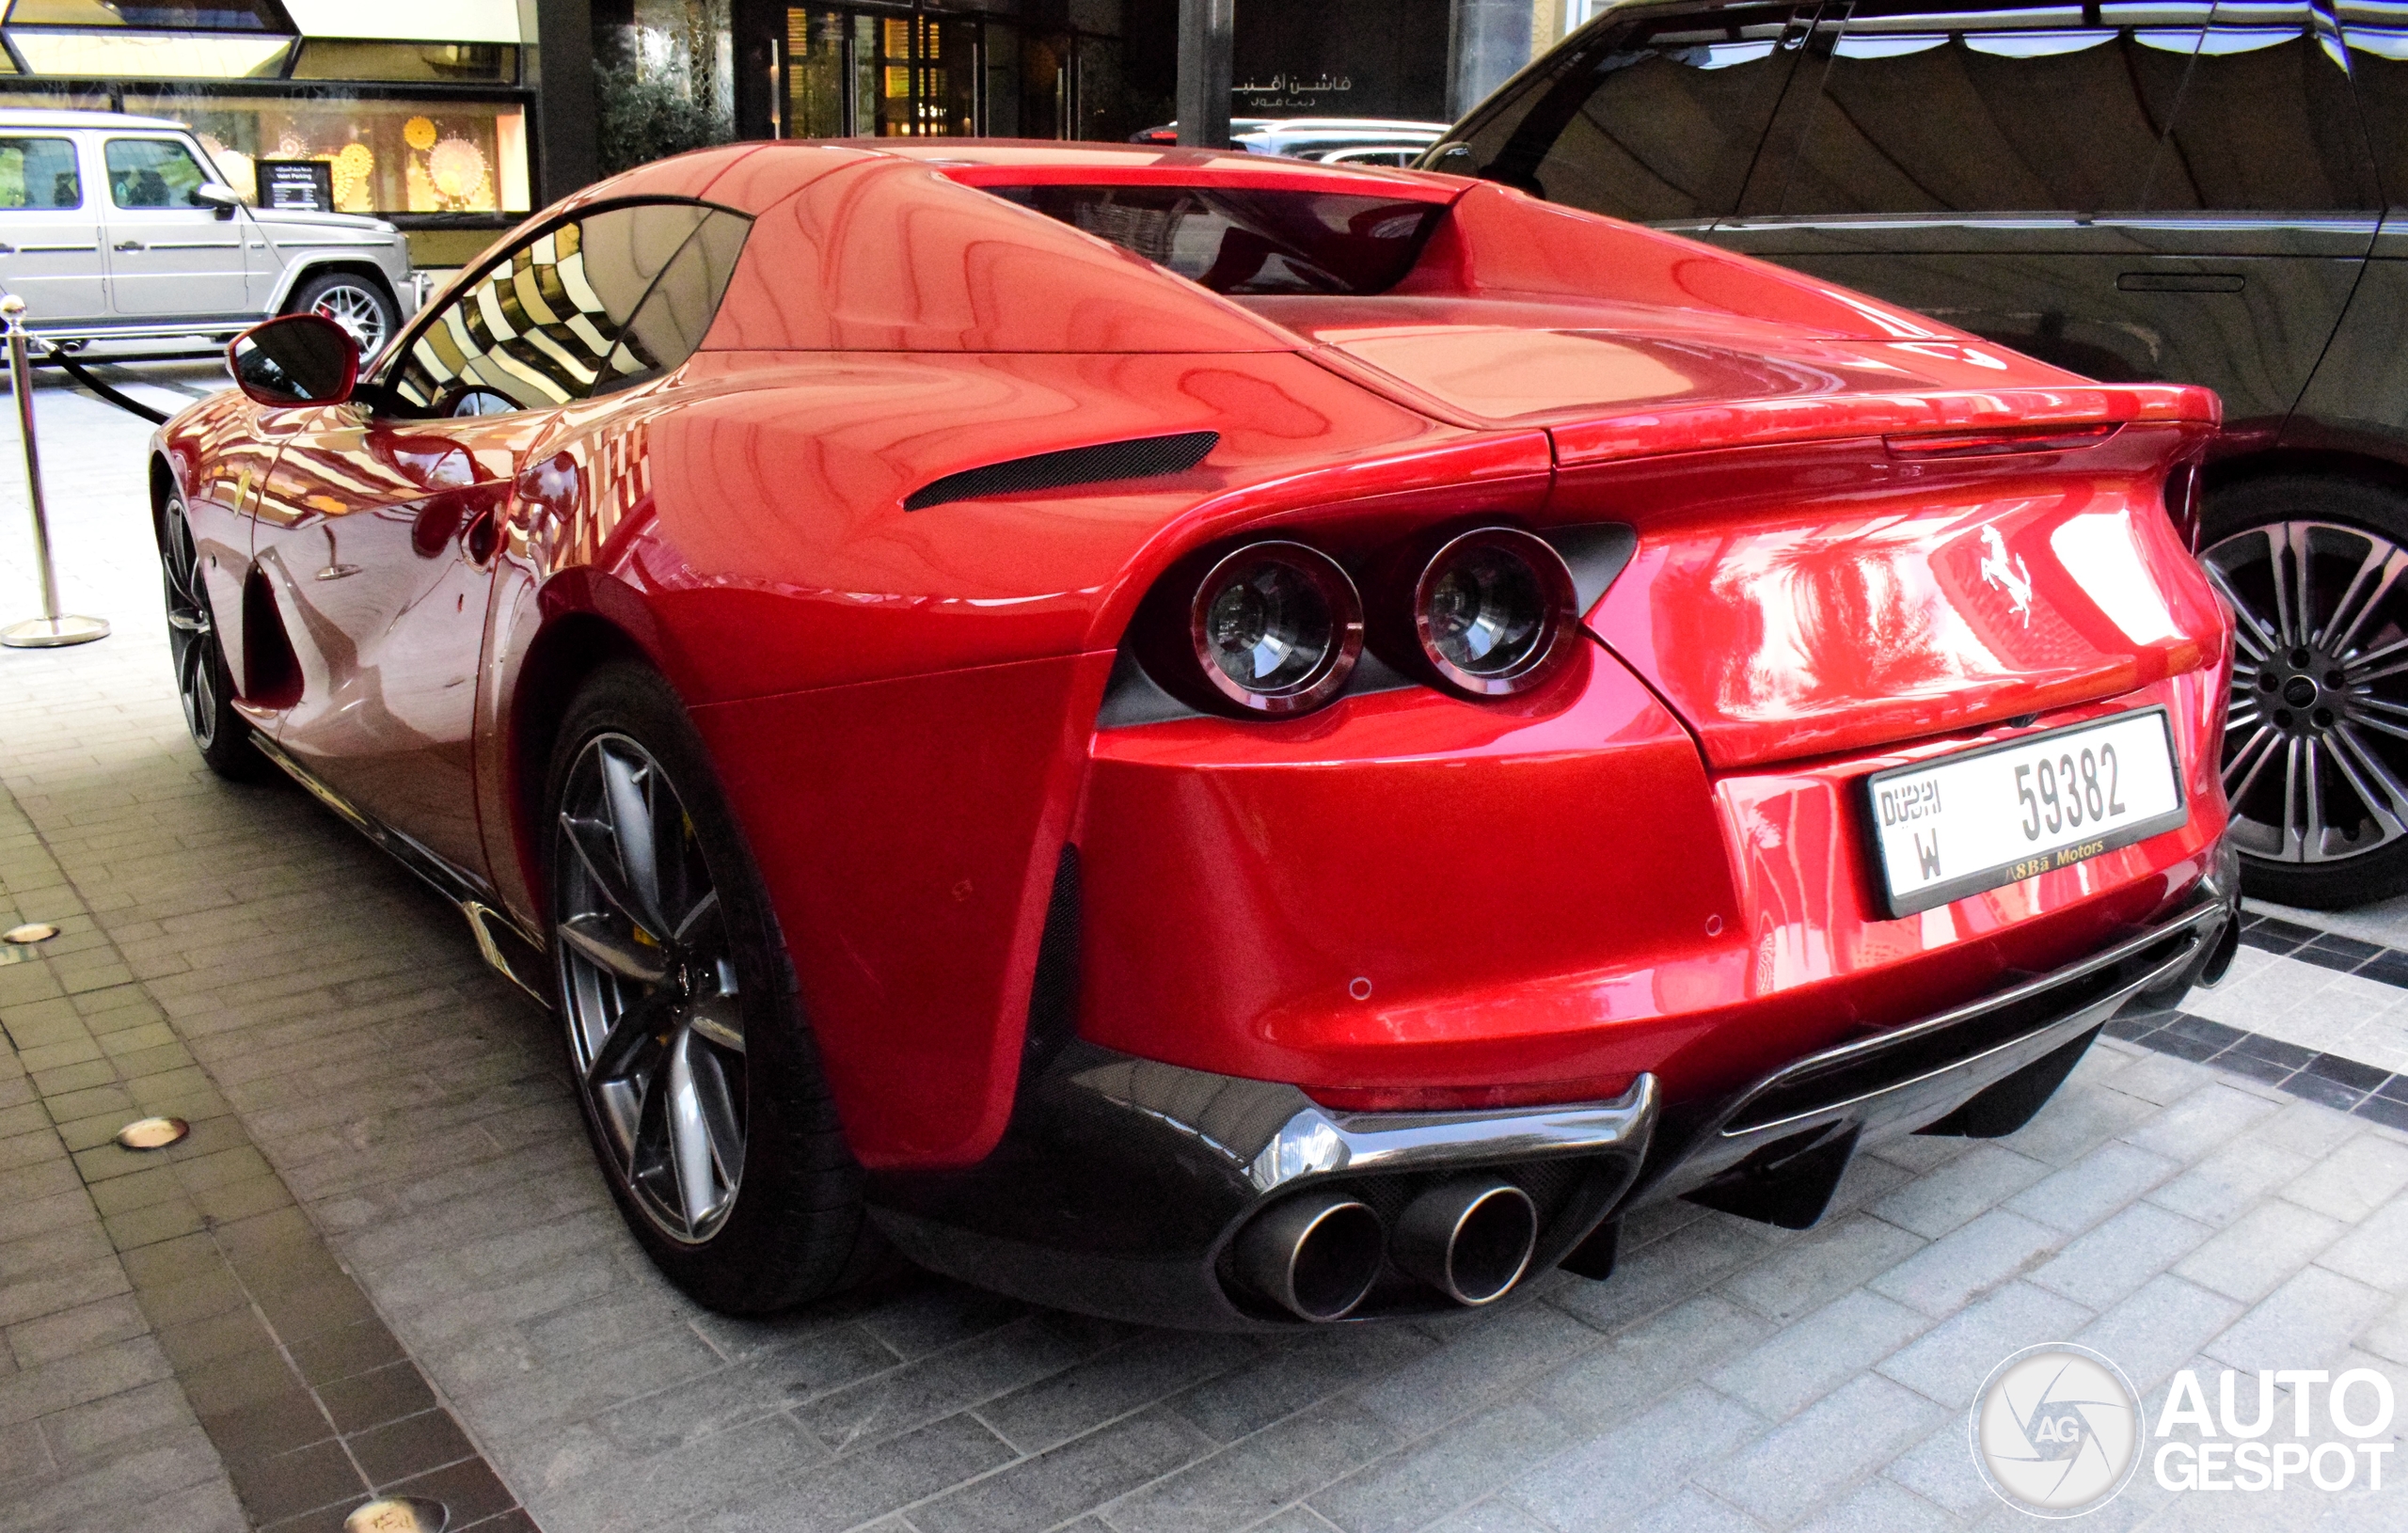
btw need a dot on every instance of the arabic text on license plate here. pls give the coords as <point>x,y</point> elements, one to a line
<point>1960,824</point>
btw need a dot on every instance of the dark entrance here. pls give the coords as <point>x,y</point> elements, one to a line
<point>854,72</point>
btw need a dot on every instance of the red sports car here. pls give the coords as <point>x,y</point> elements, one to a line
<point>1219,741</point>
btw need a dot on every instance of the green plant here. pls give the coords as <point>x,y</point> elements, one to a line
<point>645,114</point>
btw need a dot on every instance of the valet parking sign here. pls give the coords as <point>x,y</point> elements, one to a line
<point>2058,1431</point>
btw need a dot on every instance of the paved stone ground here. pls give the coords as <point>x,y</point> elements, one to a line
<point>1731,1377</point>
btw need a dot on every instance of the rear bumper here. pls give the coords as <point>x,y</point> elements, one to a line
<point>1775,1149</point>
<point>1122,1184</point>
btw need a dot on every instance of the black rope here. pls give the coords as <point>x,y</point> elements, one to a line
<point>123,402</point>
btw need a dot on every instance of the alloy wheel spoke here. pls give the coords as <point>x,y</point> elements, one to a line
<point>719,1020</point>
<point>591,839</point>
<point>721,1125</point>
<point>2380,662</point>
<point>595,938</point>
<point>2307,826</point>
<point>2294,584</point>
<point>2252,632</point>
<point>702,911</point>
<point>2382,726</point>
<point>2377,786</point>
<point>689,1136</point>
<point>623,1045</point>
<point>2250,760</point>
<point>634,836</point>
<point>2376,575</point>
<point>202,694</point>
<point>2379,705</point>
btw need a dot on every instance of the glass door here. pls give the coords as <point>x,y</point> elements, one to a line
<point>853,74</point>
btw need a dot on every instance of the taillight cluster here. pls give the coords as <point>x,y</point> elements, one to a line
<point>1275,628</point>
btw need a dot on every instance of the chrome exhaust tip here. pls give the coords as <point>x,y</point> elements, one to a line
<point>1471,1240</point>
<point>1315,1256</point>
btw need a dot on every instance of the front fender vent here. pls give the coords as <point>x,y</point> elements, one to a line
<point>1139,457</point>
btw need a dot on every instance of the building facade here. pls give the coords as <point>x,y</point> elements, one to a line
<point>427,113</point>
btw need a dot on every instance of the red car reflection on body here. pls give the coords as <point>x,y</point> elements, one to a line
<point>1220,741</point>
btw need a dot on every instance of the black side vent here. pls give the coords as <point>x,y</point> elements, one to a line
<point>1139,457</point>
<point>1053,999</point>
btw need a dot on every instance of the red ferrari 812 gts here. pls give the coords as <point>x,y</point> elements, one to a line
<point>1217,740</point>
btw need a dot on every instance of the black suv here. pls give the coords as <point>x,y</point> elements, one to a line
<point>2212,193</point>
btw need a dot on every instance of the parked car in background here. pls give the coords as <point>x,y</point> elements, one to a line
<point>1291,778</point>
<point>1340,140</point>
<point>2142,193</point>
<point>116,228</point>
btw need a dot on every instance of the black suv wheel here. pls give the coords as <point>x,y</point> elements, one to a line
<point>2316,748</point>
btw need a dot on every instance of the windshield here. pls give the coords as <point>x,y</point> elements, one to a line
<point>1238,241</point>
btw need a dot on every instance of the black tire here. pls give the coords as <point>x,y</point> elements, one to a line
<point>792,1227</point>
<point>204,685</point>
<point>2312,703</point>
<point>354,301</point>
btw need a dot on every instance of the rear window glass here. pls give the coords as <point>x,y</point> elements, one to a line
<point>1249,242</point>
<point>1654,118</point>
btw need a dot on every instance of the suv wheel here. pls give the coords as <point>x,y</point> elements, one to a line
<point>700,1081</point>
<point>358,304</point>
<point>2316,747</point>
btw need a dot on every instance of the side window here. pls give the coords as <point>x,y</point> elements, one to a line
<point>1656,119</point>
<point>152,173</point>
<point>40,173</point>
<point>2377,34</point>
<point>2267,123</point>
<point>670,323</point>
<point>1925,109</point>
<point>540,326</point>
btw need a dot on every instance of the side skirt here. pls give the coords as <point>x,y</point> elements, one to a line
<point>513,952</point>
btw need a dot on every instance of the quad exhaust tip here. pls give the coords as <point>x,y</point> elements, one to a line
<point>1471,1239</point>
<point>1314,1257</point>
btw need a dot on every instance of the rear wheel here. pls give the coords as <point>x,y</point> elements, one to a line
<point>2316,747</point>
<point>204,685</point>
<point>701,1085</point>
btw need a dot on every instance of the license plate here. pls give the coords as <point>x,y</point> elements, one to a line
<point>1957,825</point>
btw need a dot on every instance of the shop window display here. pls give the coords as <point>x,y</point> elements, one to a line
<point>387,156</point>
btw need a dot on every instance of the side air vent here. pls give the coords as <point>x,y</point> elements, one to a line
<point>1139,457</point>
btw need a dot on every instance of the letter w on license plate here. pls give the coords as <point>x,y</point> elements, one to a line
<point>1960,824</point>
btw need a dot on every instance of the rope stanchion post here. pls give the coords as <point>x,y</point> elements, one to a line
<point>52,629</point>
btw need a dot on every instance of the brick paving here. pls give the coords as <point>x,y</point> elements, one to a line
<point>1730,1376</point>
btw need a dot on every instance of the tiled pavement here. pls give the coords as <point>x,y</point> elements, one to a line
<point>2169,1212</point>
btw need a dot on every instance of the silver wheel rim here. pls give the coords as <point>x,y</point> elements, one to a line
<point>191,634</point>
<point>357,311</point>
<point>655,1025</point>
<point>2316,747</point>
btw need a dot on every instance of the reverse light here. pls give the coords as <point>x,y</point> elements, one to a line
<point>1490,611</point>
<point>1275,628</point>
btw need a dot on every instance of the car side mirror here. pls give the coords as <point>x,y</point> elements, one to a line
<point>209,194</point>
<point>296,359</point>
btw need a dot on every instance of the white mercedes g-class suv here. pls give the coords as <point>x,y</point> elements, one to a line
<point>117,228</point>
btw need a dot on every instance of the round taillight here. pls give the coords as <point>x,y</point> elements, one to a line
<point>1491,610</point>
<point>1276,628</point>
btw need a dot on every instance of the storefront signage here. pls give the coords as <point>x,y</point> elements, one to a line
<point>306,185</point>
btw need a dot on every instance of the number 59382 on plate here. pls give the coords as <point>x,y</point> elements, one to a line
<point>1960,824</point>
